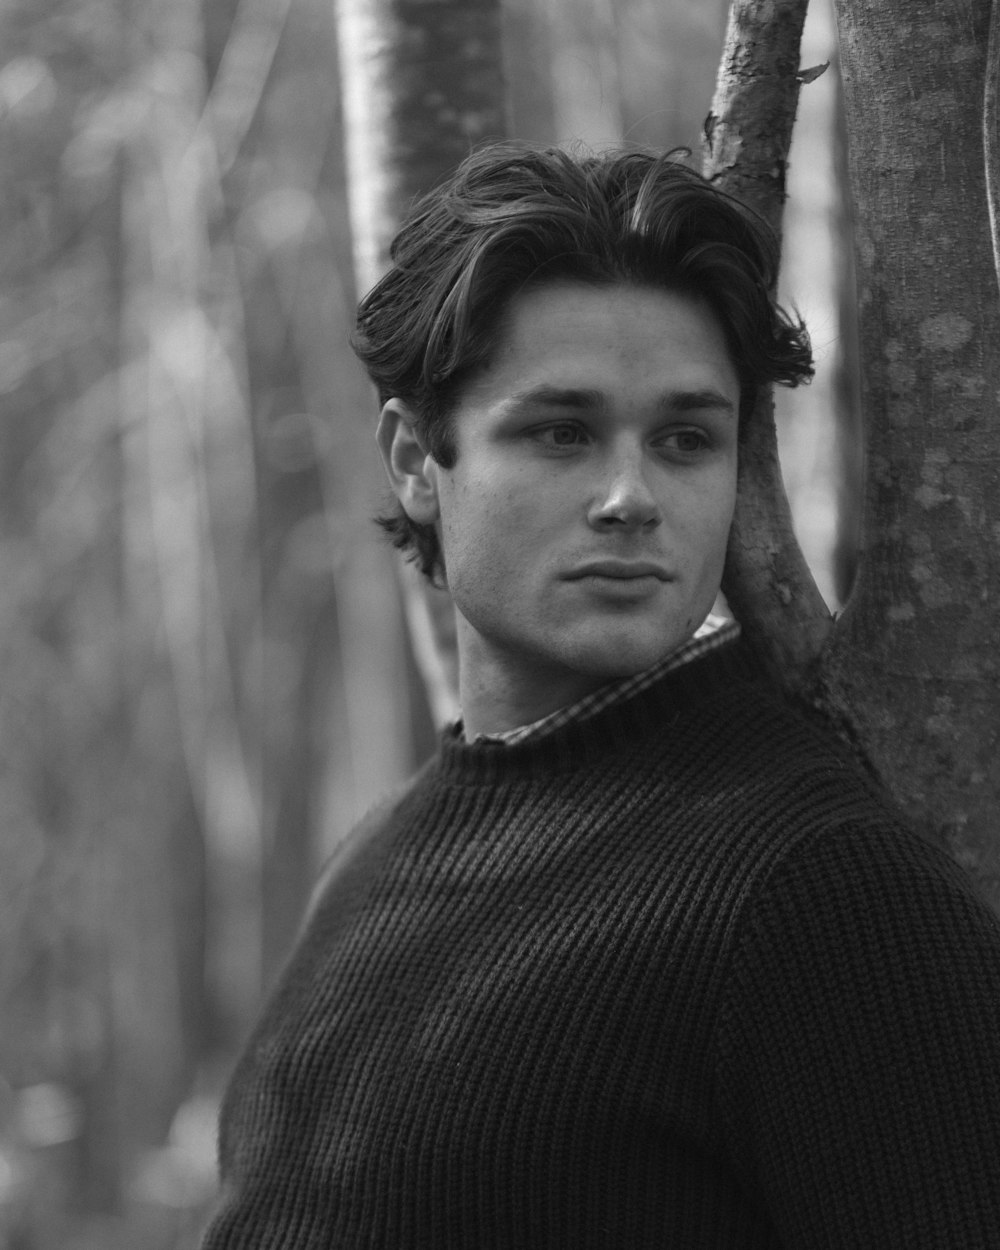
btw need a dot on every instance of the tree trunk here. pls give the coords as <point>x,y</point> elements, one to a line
<point>910,673</point>
<point>422,85</point>
<point>586,77</point>
<point>915,660</point>
<point>747,137</point>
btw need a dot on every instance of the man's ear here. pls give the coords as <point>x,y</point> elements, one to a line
<point>411,468</point>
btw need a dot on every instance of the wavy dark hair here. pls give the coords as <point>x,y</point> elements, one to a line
<point>513,217</point>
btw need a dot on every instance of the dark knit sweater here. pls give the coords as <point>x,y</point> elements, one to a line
<point>674,977</point>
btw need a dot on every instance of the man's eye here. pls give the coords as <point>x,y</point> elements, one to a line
<point>688,442</point>
<point>563,434</point>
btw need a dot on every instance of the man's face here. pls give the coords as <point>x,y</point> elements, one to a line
<point>585,520</point>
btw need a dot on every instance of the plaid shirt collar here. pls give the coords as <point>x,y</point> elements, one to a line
<point>714,633</point>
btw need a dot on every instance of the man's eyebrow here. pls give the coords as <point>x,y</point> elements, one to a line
<point>692,401</point>
<point>581,398</point>
<point>584,399</point>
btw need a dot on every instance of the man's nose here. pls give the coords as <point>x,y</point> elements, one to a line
<point>624,500</point>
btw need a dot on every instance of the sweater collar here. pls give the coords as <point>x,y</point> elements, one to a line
<point>617,724</point>
<point>714,633</point>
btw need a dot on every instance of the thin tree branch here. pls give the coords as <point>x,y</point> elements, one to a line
<point>242,75</point>
<point>991,132</point>
<point>747,137</point>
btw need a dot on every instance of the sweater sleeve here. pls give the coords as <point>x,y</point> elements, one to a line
<point>859,1048</point>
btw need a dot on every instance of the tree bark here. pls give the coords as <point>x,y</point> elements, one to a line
<point>915,660</point>
<point>422,84</point>
<point>911,671</point>
<point>747,137</point>
<point>585,71</point>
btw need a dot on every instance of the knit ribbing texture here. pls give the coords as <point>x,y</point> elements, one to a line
<point>675,977</point>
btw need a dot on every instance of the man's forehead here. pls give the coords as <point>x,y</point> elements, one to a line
<point>587,399</point>
<point>532,308</point>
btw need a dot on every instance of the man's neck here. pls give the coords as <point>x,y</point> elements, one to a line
<point>498,693</point>
<point>496,707</point>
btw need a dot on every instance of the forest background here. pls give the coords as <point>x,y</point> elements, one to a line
<point>206,670</point>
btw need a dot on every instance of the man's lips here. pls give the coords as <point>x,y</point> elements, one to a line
<point>620,570</point>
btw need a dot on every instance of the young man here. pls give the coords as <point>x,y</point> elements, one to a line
<point>640,958</point>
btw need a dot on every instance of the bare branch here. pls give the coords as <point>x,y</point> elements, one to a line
<point>747,137</point>
<point>242,76</point>
<point>991,132</point>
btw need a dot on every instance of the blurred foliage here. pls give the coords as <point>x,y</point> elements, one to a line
<point>205,676</point>
<point>173,323</point>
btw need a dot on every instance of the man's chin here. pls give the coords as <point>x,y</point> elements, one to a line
<point>626,658</point>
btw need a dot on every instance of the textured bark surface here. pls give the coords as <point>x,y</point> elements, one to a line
<point>422,85</point>
<point>915,660</point>
<point>747,137</point>
<point>749,130</point>
<point>991,133</point>
<point>911,670</point>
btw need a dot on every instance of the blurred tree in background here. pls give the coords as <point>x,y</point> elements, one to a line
<point>206,675</point>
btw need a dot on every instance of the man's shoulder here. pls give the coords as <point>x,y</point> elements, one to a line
<point>743,778</point>
<point>356,852</point>
<point>749,733</point>
<point>805,797</point>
